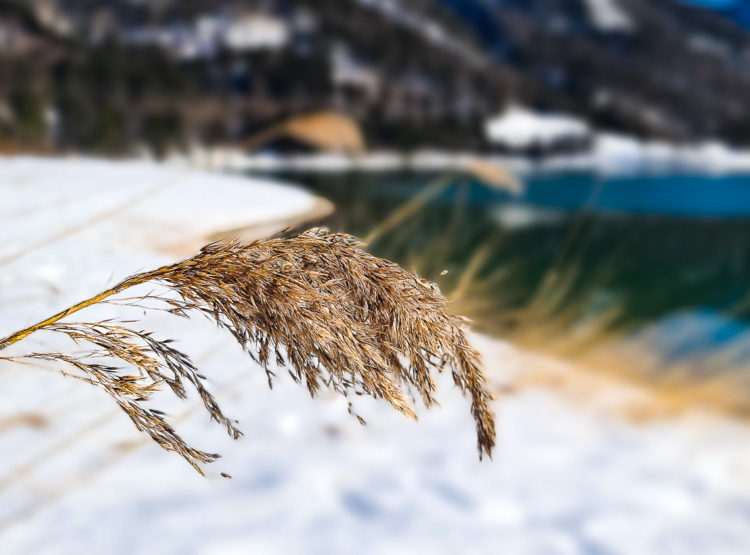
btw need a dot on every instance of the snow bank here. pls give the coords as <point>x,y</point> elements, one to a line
<point>520,128</point>
<point>608,16</point>
<point>616,154</point>
<point>105,219</point>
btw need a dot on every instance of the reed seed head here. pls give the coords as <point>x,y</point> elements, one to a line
<point>317,303</point>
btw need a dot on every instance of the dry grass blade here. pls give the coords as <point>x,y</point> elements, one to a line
<point>494,175</point>
<point>326,130</point>
<point>317,303</point>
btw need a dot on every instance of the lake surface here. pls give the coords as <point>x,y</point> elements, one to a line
<point>663,260</point>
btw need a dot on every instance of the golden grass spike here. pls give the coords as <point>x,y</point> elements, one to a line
<point>317,303</point>
<point>494,174</point>
<point>325,129</point>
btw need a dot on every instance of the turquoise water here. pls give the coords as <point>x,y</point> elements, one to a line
<point>664,258</point>
<point>677,195</point>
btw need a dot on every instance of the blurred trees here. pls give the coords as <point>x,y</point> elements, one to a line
<point>419,73</point>
<point>28,123</point>
<point>106,97</point>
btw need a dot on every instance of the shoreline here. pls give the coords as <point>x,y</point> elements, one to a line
<point>610,155</point>
<point>621,390</point>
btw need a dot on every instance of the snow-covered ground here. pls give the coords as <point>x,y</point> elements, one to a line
<point>570,475</point>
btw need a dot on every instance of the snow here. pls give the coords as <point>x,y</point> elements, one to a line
<point>203,37</point>
<point>722,158</point>
<point>257,31</point>
<point>101,218</point>
<point>618,154</point>
<point>520,128</point>
<point>609,16</point>
<point>348,71</point>
<point>567,477</point>
<point>375,161</point>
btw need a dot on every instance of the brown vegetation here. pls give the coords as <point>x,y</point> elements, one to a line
<point>316,303</point>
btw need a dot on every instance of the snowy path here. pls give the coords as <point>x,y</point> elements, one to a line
<point>76,477</point>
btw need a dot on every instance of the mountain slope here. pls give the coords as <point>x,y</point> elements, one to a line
<point>413,72</point>
<point>662,69</point>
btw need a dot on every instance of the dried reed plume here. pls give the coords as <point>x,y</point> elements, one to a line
<point>317,303</point>
<point>326,129</point>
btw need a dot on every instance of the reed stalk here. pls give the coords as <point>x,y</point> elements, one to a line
<point>316,304</point>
